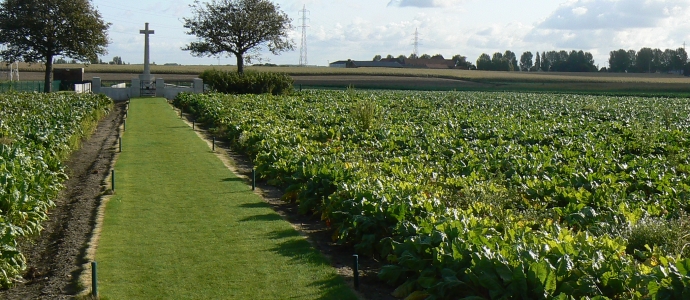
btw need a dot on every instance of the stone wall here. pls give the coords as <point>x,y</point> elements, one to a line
<point>162,90</point>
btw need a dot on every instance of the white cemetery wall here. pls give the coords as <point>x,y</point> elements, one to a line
<point>117,94</point>
<point>172,91</point>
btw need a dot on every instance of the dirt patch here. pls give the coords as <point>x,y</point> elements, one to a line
<point>55,257</point>
<point>316,232</point>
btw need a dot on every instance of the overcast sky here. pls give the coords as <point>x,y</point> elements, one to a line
<point>359,29</point>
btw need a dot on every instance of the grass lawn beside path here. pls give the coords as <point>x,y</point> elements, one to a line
<point>183,226</point>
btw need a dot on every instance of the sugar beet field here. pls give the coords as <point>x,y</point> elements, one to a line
<point>461,195</point>
<point>483,195</point>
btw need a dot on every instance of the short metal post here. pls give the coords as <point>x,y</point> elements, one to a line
<point>112,180</point>
<point>94,280</point>
<point>356,270</point>
<point>124,125</point>
<point>253,179</point>
<point>193,124</point>
<point>120,143</point>
<point>214,144</point>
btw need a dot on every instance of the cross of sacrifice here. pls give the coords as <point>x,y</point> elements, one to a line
<point>146,32</point>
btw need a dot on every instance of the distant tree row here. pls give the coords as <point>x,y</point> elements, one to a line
<point>552,61</point>
<point>649,60</point>
<point>498,62</point>
<point>117,60</point>
<point>460,61</point>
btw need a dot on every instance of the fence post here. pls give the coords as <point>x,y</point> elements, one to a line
<point>356,270</point>
<point>94,280</point>
<point>253,179</point>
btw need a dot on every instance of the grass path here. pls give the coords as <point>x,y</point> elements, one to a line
<point>182,226</point>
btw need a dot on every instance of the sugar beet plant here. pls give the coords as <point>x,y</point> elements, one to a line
<point>37,132</point>
<point>484,195</point>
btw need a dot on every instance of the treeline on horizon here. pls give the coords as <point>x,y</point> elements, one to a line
<point>646,60</point>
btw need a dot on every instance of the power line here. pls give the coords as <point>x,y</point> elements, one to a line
<point>303,47</point>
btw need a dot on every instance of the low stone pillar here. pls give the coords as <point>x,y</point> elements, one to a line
<point>96,85</point>
<point>136,88</point>
<point>198,86</point>
<point>160,87</point>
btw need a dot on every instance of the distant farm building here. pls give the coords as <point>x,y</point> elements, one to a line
<point>365,64</point>
<point>419,63</point>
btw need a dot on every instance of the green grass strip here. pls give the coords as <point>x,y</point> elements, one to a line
<point>182,226</point>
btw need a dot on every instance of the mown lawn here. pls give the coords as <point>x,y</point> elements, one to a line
<point>182,226</point>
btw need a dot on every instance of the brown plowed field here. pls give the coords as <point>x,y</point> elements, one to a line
<point>336,81</point>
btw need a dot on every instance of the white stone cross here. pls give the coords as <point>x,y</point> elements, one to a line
<point>146,32</point>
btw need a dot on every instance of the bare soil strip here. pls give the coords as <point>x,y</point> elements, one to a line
<point>55,257</point>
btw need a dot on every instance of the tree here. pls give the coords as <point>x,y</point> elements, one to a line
<point>526,61</point>
<point>537,62</point>
<point>377,57</point>
<point>512,60</point>
<point>39,30</point>
<point>238,27</point>
<point>657,59</point>
<point>545,63</point>
<point>461,62</point>
<point>389,56</point>
<point>484,62</point>
<point>117,60</point>
<point>619,61</point>
<point>437,56</point>
<point>644,60</point>
<point>633,59</point>
<point>679,59</point>
<point>425,56</point>
<point>499,63</point>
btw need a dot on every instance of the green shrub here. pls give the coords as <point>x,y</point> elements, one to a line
<point>229,82</point>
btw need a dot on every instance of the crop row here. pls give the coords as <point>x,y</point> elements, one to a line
<point>37,133</point>
<point>490,195</point>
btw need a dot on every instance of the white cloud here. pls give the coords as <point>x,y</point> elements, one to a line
<point>601,26</point>
<point>578,11</point>
<point>611,14</point>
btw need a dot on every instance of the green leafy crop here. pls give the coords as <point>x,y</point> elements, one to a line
<point>37,132</point>
<point>483,195</point>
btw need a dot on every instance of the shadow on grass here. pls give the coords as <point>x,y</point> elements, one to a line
<point>333,288</point>
<point>281,234</point>
<point>232,179</point>
<point>255,205</point>
<point>300,251</point>
<point>265,217</point>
